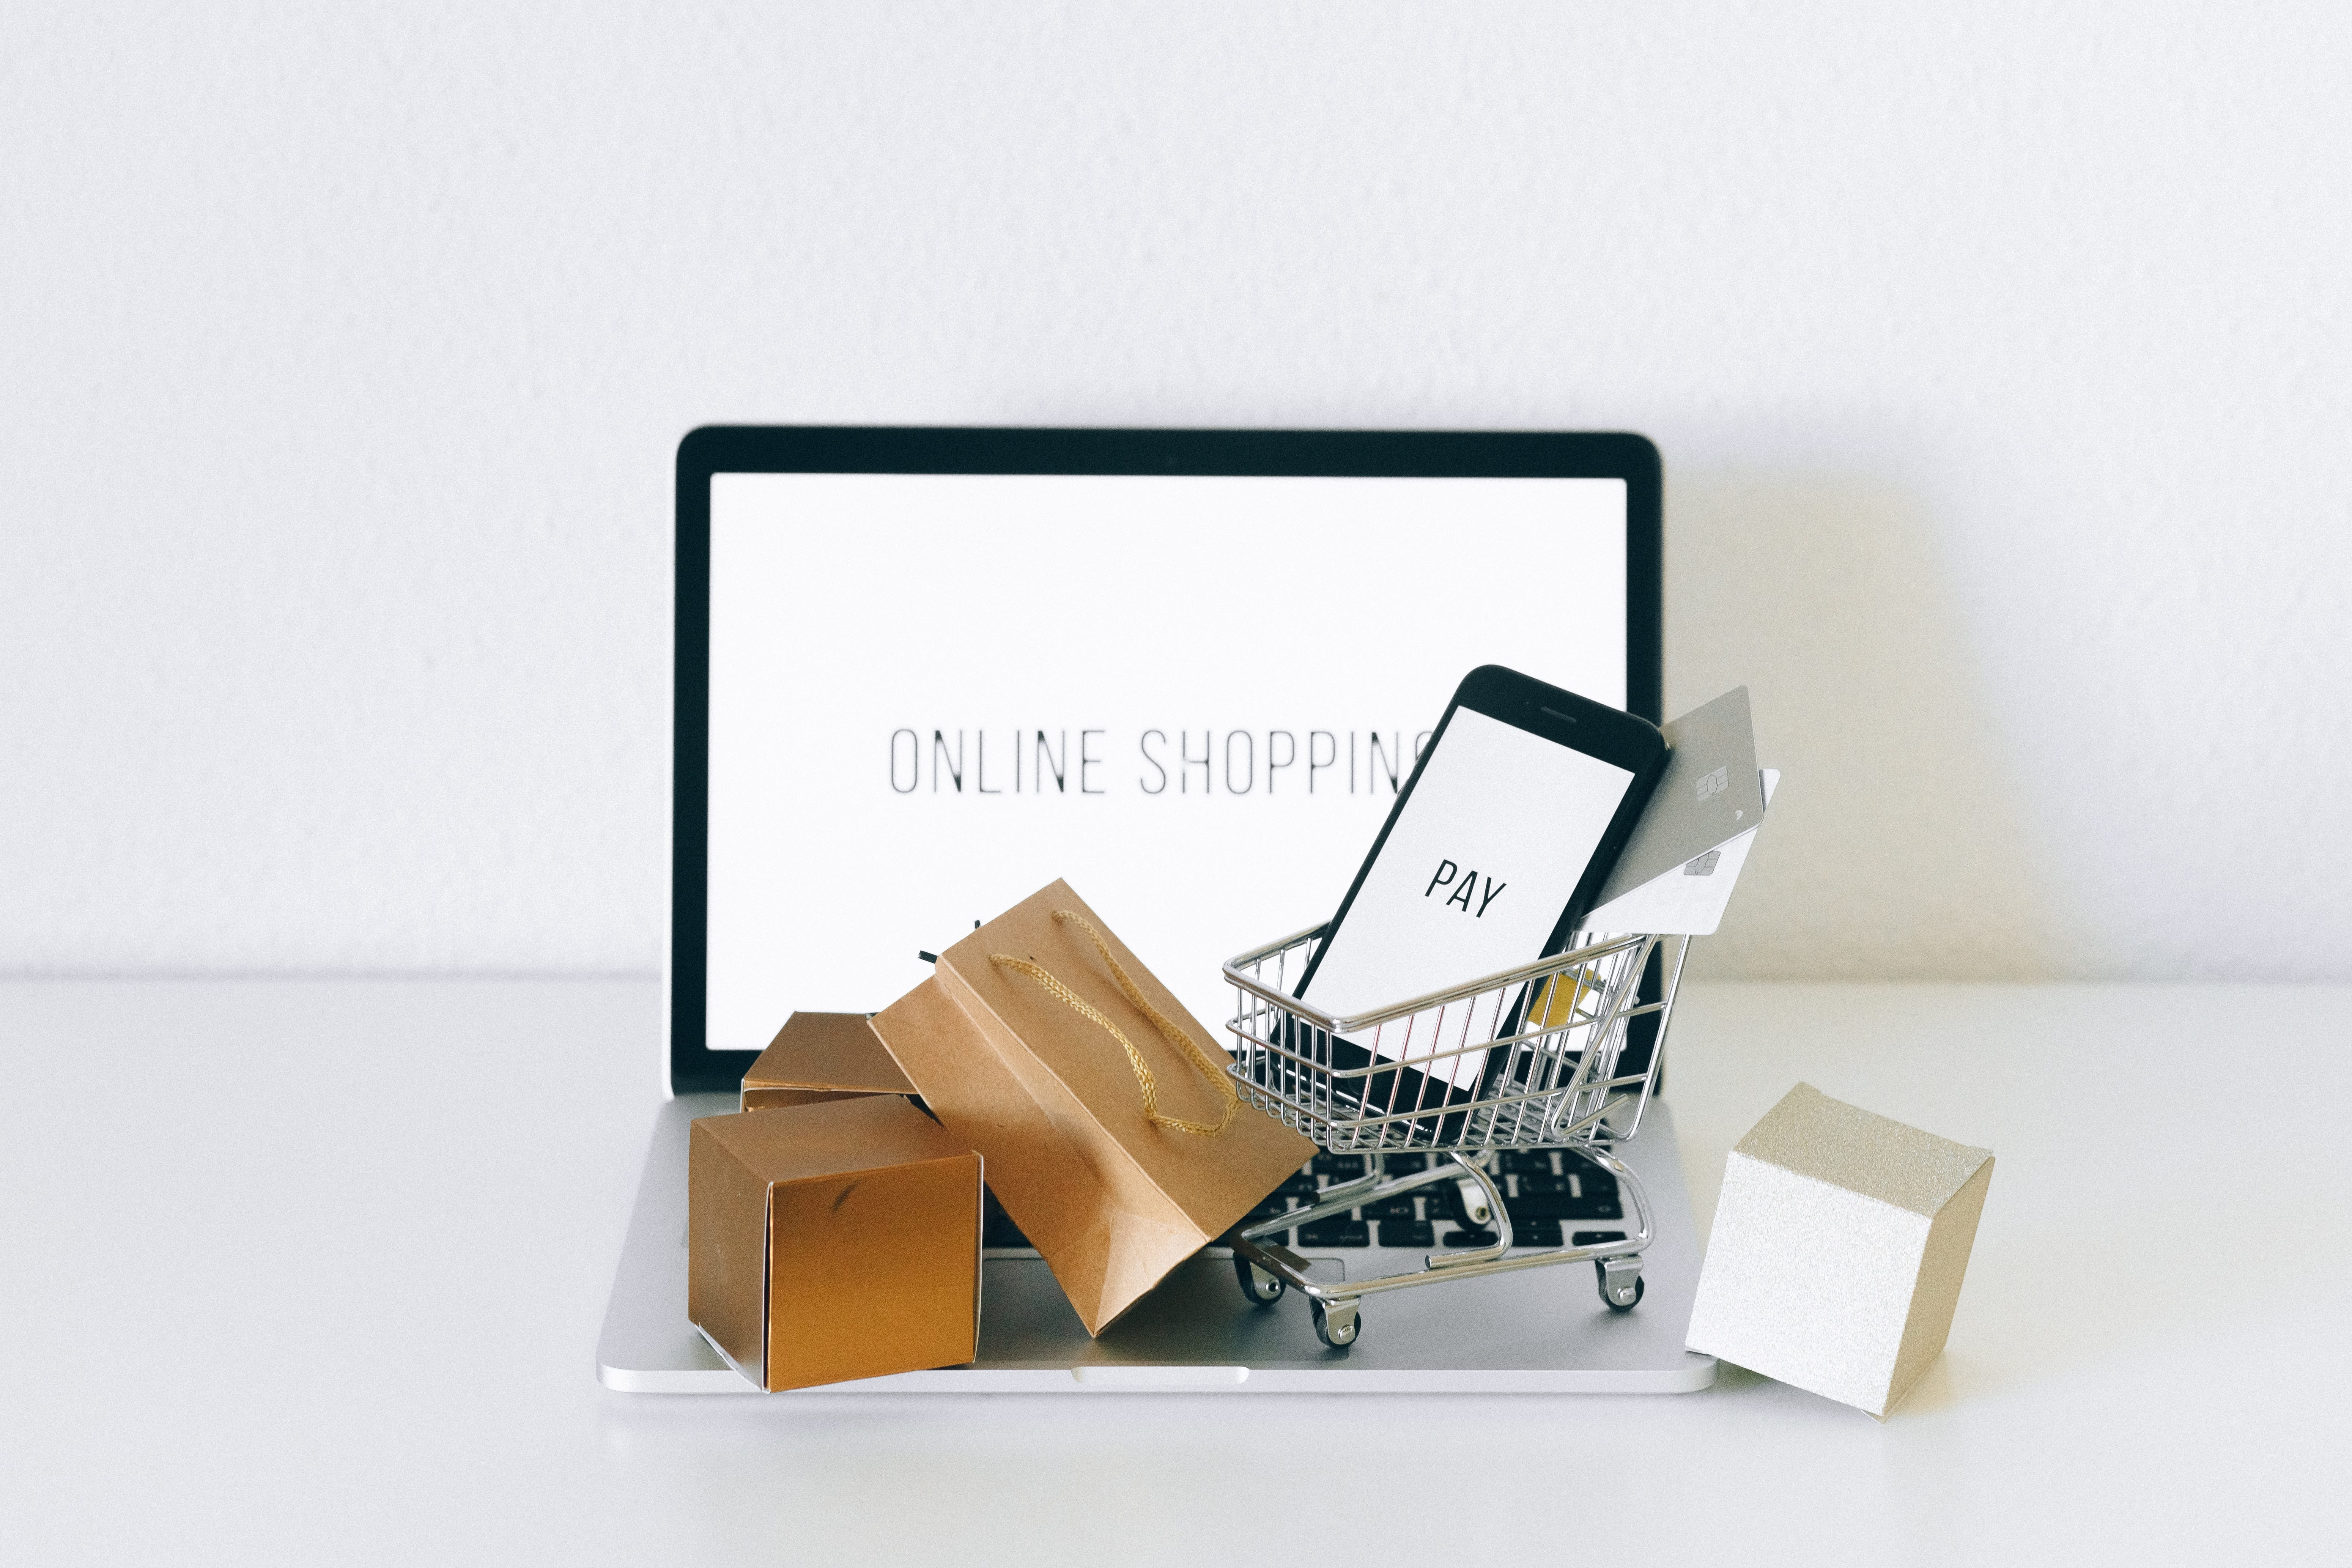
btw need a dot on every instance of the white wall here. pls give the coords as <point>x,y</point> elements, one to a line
<point>1999,355</point>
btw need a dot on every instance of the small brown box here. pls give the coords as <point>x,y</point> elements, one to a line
<point>821,1056</point>
<point>835,1241</point>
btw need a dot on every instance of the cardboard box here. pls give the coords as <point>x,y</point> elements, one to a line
<point>1838,1249</point>
<point>821,1056</point>
<point>1113,1184</point>
<point>833,1241</point>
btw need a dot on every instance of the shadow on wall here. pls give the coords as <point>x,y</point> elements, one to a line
<point>1897,849</point>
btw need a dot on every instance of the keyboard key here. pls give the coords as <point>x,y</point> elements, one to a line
<point>1298,1186</point>
<point>1595,1180</point>
<point>1595,1237</point>
<point>1407,1232</point>
<point>1534,1232</point>
<point>1470,1239</point>
<point>1560,1205</point>
<point>1526,1162</point>
<point>1532,1184</point>
<point>1337,1231</point>
<point>1339,1167</point>
<point>1267,1209</point>
<point>1406,1164</point>
<point>1390,1209</point>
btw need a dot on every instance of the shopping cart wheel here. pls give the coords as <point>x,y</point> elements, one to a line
<point>1337,1324</point>
<point>1260,1287</point>
<point>1617,1294</point>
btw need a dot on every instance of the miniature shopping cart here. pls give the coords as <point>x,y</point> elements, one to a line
<point>1525,1059</point>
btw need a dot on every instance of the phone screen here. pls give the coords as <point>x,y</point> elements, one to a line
<point>1475,874</point>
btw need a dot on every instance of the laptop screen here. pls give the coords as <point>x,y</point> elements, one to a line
<point>1195,697</point>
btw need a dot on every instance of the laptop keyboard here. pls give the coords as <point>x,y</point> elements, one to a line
<point>1541,1187</point>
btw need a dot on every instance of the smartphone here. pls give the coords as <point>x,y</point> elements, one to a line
<point>1501,841</point>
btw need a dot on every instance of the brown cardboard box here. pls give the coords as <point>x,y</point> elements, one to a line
<point>818,1057</point>
<point>833,1241</point>
<point>1104,1179</point>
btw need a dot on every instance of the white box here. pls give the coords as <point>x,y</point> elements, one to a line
<point>1838,1249</point>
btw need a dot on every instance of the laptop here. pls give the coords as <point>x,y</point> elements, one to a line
<point>921,673</point>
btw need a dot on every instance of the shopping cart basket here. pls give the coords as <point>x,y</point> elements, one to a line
<point>1526,1059</point>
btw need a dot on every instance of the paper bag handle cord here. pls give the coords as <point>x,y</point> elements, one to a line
<point>1175,1036</point>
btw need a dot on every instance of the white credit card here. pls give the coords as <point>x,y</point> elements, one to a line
<point>1676,874</point>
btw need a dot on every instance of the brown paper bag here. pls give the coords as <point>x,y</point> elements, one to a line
<point>1116,1151</point>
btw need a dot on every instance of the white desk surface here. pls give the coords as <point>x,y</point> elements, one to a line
<point>312,1272</point>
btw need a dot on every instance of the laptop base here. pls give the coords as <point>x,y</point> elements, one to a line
<point>1542,1331</point>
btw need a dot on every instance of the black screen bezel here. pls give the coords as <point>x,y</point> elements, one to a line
<point>917,449</point>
